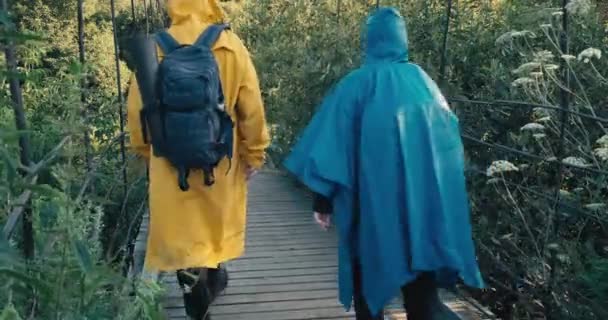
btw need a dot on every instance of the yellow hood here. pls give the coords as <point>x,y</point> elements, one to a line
<point>207,11</point>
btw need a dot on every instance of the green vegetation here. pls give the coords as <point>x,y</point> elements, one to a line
<point>541,260</point>
<point>83,220</point>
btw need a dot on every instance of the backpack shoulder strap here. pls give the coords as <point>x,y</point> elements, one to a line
<point>166,42</point>
<point>211,35</point>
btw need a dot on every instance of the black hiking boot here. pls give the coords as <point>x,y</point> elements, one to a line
<point>422,301</point>
<point>197,296</point>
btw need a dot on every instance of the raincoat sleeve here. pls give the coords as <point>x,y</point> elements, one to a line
<point>250,115</point>
<point>323,158</point>
<point>134,106</point>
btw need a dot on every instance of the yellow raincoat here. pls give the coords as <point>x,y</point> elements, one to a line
<point>205,225</point>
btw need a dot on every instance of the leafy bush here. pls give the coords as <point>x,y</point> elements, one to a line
<point>84,221</point>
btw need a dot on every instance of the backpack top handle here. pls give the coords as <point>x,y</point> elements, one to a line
<point>211,34</point>
<point>168,44</point>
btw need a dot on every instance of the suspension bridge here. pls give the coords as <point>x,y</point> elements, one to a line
<point>289,269</point>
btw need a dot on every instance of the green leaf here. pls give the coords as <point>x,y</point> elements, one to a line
<point>24,278</point>
<point>42,190</point>
<point>10,313</point>
<point>83,255</point>
<point>48,213</point>
<point>7,255</point>
<point>10,164</point>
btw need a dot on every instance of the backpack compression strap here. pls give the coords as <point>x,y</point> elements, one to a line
<point>210,36</point>
<point>166,42</point>
<point>207,39</point>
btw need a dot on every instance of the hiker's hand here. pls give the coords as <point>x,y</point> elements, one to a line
<point>323,220</point>
<point>250,172</point>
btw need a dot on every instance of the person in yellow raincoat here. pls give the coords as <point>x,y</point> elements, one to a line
<point>204,226</point>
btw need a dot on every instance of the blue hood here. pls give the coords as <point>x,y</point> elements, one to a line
<point>386,39</point>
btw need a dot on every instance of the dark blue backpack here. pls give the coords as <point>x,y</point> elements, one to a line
<point>189,125</point>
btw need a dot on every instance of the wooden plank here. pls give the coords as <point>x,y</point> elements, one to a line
<point>280,265</point>
<point>261,242</point>
<point>306,222</point>
<point>253,236</point>
<point>273,306</point>
<point>304,219</point>
<point>328,277</point>
<point>311,232</point>
<point>231,300</point>
<point>282,273</point>
<point>274,213</point>
<point>299,253</point>
<point>288,259</point>
<point>173,289</point>
<point>294,247</point>
<point>306,314</point>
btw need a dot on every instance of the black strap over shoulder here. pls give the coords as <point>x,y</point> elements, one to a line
<point>211,34</point>
<point>166,42</point>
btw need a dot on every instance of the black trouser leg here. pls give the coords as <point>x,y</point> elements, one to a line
<point>217,280</point>
<point>197,297</point>
<point>422,301</point>
<point>201,287</point>
<point>361,309</point>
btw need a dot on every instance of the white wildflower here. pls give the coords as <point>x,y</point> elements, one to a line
<point>544,55</point>
<point>575,161</point>
<point>536,74</point>
<point>579,7</point>
<point>528,67</point>
<point>505,38</point>
<point>532,127</point>
<point>595,206</point>
<point>601,153</point>
<point>551,159</point>
<point>603,141</point>
<point>541,112</point>
<point>588,54</point>
<point>520,82</point>
<point>551,67</point>
<point>565,193</point>
<point>544,119</point>
<point>500,166</point>
<point>563,258</point>
<point>524,33</point>
<point>568,57</point>
<point>493,181</point>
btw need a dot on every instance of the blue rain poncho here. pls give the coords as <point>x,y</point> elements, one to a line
<point>386,148</point>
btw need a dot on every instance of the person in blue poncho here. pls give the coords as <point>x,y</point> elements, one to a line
<point>384,154</point>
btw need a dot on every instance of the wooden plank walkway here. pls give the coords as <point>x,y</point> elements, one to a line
<point>289,268</point>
